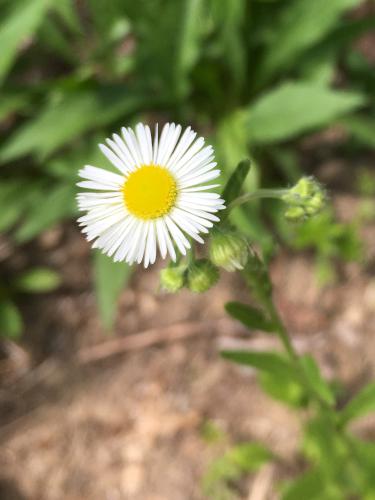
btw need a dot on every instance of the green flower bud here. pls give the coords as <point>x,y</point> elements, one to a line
<point>295,214</point>
<point>304,200</point>
<point>202,275</point>
<point>172,279</point>
<point>228,250</point>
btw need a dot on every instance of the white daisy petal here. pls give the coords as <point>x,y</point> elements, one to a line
<point>132,145</point>
<point>143,144</point>
<point>161,196</point>
<point>112,157</point>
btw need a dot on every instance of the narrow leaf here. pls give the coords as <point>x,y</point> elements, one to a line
<point>361,404</point>
<point>110,278</point>
<point>249,316</point>
<point>17,27</point>
<point>234,185</point>
<point>264,361</point>
<point>57,124</point>
<point>302,24</point>
<point>316,380</point>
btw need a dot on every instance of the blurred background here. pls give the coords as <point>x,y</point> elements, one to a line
<point>110,389</point>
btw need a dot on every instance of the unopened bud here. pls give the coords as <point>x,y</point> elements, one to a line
<point>172,279</point>
<point>305,199</point>
<point>202,275</point>
<point>228,250</point>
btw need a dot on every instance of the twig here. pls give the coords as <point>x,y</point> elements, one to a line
<point>155,336</point>
<point>262,483</point>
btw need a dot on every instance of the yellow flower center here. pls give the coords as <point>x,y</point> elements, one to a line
<point>150,192</point>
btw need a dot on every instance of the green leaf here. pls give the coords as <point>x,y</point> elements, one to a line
<point>233,186</point>
<point>265,361</point>
<point>294,108</point>
<point>38,280</point>
<point>241,459</point>
<point>110,279</point>
<point>323,444</point>
<point>316,380</point>
<point>361,404</point>
<point>307,486</point>
<point>46,210</point>
<point>249,316</point>
<point>361,128</point>
<point>58,124</point>
<point>187,43</point>
<point>303,23</point>
<point>284,387</point>
<point>17,27</point>
<point>10,319</point>
<point>10,103</point>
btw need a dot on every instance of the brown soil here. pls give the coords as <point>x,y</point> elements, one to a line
<point>130,426</point>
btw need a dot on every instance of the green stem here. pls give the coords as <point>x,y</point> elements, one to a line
<point>292,353</point>
<point>261,193</point>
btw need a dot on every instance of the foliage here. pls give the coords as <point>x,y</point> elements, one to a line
<point>71,73</point>
<point>337,464</point>
<point>35,280</point>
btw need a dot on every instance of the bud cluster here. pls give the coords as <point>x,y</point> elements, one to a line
<point>304,200</point>
<point>227,249</point>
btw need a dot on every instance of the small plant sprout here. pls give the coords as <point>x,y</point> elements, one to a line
<point>160,196</point>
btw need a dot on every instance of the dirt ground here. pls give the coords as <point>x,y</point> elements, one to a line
<point>131,425</point>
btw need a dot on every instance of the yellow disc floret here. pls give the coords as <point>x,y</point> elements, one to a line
<point>150,192</point>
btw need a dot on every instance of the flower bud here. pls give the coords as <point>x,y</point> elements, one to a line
<point>172,279</point>
<point>202,275</point>
<point>228,250</point>
<point>304,200</point>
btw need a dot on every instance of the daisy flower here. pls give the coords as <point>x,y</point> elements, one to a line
<point>159,197</point>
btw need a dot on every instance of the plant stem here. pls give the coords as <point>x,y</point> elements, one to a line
<point>261,193</point>
<point>292,353</point>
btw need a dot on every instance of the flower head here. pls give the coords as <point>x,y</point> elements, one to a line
<point>160,195</point>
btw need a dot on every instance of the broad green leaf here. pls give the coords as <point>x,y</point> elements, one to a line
<point>10,319</point>
<point>249,316</point>
<point>48,207</point>
<point>58,124</point>
<point>17,27</point>
<point>38,280</point>
<point>110,279</point>
<point>361,404</point>
<point>264,361</point>
<point>316,380</point>
<point>294,108</point>
<point>301,26</point>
